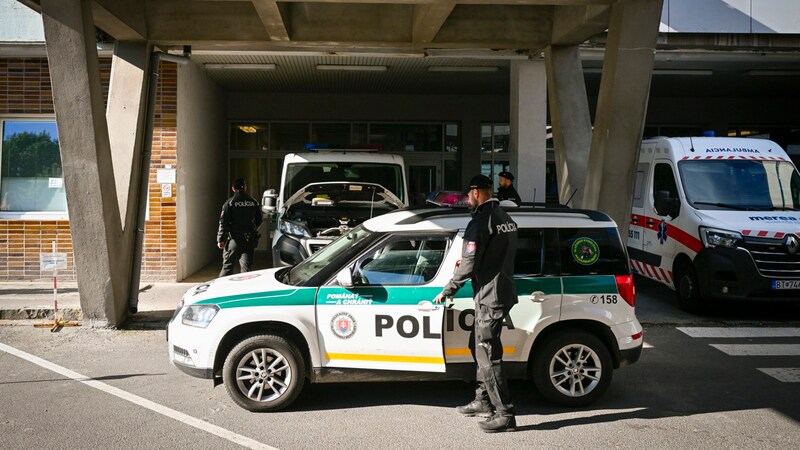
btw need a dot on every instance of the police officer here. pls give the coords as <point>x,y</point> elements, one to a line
<point>488,260</point>
<point>505,190</point>
<point>238,234</point>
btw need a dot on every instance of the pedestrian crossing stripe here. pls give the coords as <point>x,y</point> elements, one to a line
<point>782,374</point>
<point>758,349</point>
<point>739,332</point>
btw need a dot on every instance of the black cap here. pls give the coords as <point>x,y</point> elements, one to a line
<point>479,182</point>
<point>238,184</point>
<point>508,175</point>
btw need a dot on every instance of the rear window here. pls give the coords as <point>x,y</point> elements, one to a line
<point>591,251</point>
<point>530,253</point>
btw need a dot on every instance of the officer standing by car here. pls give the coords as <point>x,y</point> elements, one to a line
<point>488,260</point>
<point>506,190</point>
<point>237,235</point>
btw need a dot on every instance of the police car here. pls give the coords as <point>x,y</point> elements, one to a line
<point>360,309</point>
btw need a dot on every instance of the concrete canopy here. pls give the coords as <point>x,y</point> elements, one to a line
<point>402,26</point>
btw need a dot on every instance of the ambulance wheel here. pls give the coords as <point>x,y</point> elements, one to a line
<point>264,373</point>
<point>572,368</point>
<point>686,288</point>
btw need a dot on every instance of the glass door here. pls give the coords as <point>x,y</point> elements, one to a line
<point>424,177</point>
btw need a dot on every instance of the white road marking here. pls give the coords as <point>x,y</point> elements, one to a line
<point>759,349</point>
<point>784,374</point>
<point>143,402</point>
<point>743,332</point>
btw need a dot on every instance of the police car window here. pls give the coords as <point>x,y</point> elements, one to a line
<point>530,253</point>
<point>401,261</point>
<point>591,251</point>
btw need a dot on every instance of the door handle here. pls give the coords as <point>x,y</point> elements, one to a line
<point>537,296</point>
<point>427,306</point>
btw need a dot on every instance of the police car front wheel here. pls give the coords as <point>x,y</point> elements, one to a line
<point>572,368</point>
<point>264,373</point>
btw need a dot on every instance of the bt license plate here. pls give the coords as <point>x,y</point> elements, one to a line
<point>785,284</point>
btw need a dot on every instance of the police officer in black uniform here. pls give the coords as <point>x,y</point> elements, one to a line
<point>488,260</point>
<point>238,234</point>
<point>505,190</point>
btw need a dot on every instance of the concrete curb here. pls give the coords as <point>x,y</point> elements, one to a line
<point>40,313</point>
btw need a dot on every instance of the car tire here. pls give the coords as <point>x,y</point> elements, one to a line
<point>572,368</point>
<point>264,373</point>
<point>687,289</point>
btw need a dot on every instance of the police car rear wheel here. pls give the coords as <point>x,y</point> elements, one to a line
<point>264,373</point>
<point>572,368</point>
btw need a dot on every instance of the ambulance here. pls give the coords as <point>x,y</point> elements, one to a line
<point>717,218</point>
<point>360,309</point>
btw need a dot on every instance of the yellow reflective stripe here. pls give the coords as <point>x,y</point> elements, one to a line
<point>465,351</point>
<point>386,358</point>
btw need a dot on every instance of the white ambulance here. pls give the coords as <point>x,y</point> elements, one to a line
<point>360,309</point>
<point>717,218</point>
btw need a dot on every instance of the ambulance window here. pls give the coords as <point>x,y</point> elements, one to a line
<point>638,185</point>
<point>401,261</point>
<point>664,180</point>
<point>591,251</point>
<point>530,253</point>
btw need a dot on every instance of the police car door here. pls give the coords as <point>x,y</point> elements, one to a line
<point>383,316</point>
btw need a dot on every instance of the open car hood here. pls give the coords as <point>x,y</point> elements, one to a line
<point>342,193</point>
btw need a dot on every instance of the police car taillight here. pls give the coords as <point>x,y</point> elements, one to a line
<point>626,288</point>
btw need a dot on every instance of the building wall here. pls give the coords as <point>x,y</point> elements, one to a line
<point>25,91</point>
<point>202,164</point>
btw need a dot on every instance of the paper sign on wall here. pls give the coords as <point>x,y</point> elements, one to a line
<point>166,190</point>
<point>165,176</point>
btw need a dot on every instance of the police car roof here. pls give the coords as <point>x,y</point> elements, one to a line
<point>457,218</point>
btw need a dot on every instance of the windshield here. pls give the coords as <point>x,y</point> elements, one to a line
<point>341,248</point>
<point>299,175</point>
<point>740,184</point>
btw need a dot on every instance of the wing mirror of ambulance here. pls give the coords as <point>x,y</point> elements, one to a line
<point>268,201</point>
<point>344,278</point>
<point>666,205</point>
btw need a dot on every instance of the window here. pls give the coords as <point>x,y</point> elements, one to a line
<point>401,261</point>
<point>664,180</point>
<point>638,184</point>
<point>530,253</point>
<point>30,170</point>
<point>591,251</point>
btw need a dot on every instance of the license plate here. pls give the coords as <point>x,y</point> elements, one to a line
<point>785,284</point>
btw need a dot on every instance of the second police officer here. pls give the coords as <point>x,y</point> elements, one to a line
<point>237,235</point>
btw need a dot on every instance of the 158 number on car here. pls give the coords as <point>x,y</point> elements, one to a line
<point>606,299</point>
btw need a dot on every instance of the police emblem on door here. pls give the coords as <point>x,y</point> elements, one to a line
<point>343,325</point>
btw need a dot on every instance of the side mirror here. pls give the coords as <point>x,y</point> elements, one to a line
<point>344,278</point>
<point>268,201</point>
<point>666,205</point>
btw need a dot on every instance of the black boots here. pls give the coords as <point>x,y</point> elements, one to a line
<point>498,423</point>
<point>476,408</point>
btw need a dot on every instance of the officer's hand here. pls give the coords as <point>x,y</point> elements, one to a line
<point>439,298</point>
<point>220,245</point>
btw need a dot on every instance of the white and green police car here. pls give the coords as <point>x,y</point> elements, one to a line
<point>360,309</point>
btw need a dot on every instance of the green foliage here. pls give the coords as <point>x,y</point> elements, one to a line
<point>29,154</point>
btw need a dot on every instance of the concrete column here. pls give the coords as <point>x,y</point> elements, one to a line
<point>569,116</point>
<point>101,261</point>
<point>621,107</point>
<point>528,102</point>
<point>127,101</point>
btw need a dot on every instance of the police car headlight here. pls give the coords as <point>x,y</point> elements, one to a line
<point>199,315</point>
<point>293,228</point>
<point>713,237</point>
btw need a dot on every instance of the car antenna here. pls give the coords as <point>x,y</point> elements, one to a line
<point>372,202</point>
<point>570,197</point>
<point>691,143</point>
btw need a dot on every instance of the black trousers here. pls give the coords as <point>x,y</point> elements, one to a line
<point>236,249</point>
<point>487,349</point>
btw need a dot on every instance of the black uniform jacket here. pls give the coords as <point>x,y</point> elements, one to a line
<point>241,215</point>
<point>487,257</point>
<point>509,193</point>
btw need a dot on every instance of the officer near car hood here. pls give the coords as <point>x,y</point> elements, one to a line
<point>237,235</point>
<point>487,258</point>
